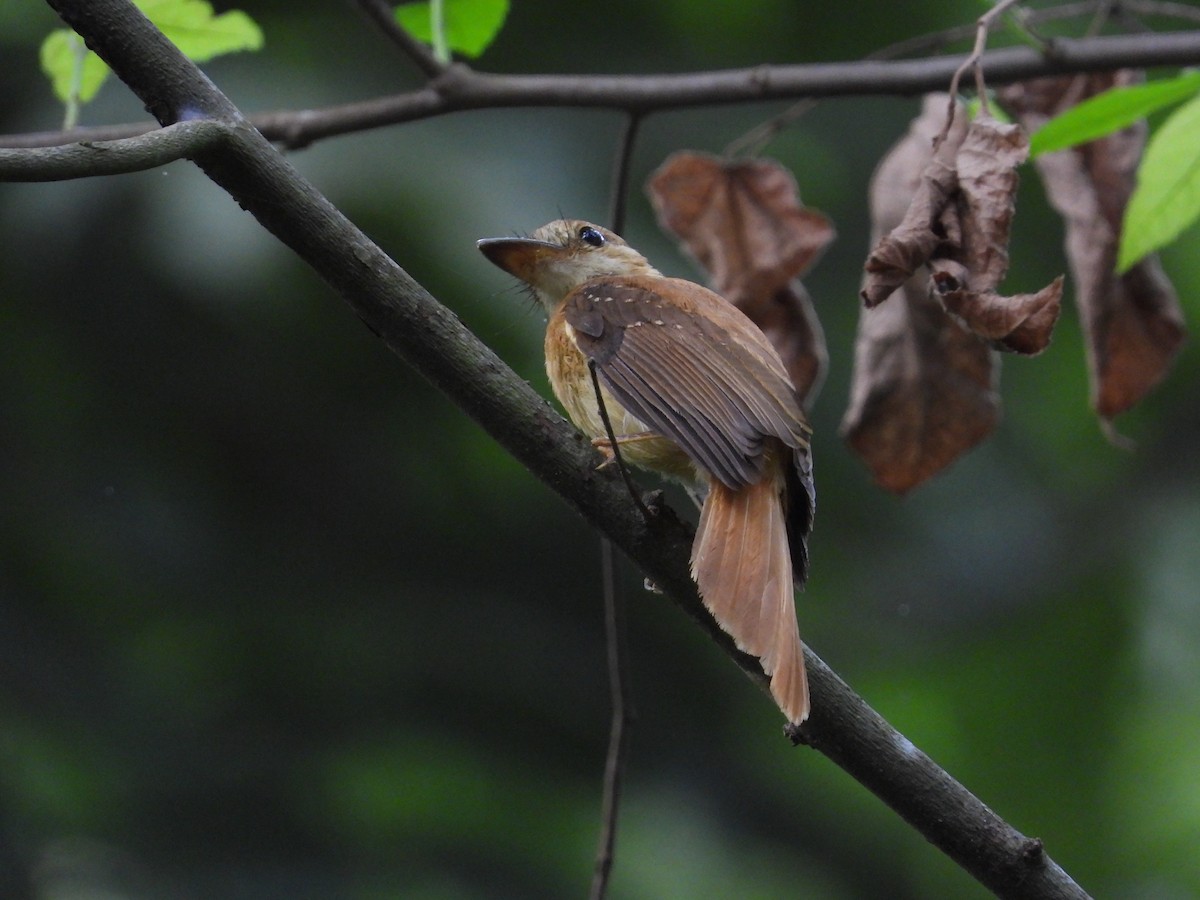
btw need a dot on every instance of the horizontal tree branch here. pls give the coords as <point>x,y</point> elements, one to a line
<point>87,159</point>
<point>430,337</point>
<point>460,88</point>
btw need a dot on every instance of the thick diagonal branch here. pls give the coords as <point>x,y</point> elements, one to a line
<point>427,335</point>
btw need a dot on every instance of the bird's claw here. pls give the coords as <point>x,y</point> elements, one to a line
<point>604,446</point>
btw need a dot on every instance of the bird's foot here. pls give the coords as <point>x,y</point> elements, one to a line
<point>607,450</point>
<point>604,445</point>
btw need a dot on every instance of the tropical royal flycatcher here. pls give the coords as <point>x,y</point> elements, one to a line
<point>694,391</point>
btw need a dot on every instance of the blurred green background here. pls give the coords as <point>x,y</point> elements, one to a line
<point>276,620</point>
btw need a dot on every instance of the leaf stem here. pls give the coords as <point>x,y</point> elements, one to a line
<point>71,115</point>
<point>437,27</point>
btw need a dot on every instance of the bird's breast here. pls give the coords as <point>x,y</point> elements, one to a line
<point>571,381</point>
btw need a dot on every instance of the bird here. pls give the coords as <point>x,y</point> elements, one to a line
<point>695,392</point>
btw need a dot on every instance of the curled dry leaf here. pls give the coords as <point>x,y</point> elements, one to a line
<point>986,201</point>
<point>923,389</point>
<point>1021,324</point>
<point>958,221</point>
<point>742,220</point>
<point>977,246</point>
<point>911,189</point>
<point>1132,323</point>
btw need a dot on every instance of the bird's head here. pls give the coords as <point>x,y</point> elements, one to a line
<point>562,255</point>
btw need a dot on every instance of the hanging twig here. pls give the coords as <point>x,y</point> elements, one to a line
<point>616,449</point>
<point>614,628</point>
<point>752,142</point>
<point>381,13</point>
<point>982,25</point>
<point>619,191</point>
<point>622,717</point>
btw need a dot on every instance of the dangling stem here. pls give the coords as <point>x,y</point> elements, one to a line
<point>73,104</point>
<point>437,27</point>
<point>622,717</point>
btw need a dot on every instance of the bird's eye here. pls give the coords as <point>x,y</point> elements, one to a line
<point>591,236</point>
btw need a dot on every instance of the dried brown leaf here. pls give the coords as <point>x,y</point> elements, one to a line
<point>1023,323</point>
<point>987,188</point>
<point>744,223</point>
<point>909,191</point>
<point>923,390</point>
<point>1134,338</point>
<point>1133,323</point>
<point>791,325</point>
<point>742,220</point>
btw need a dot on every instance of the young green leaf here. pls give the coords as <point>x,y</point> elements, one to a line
<point>190,25</point>
<point>71,81</point>
<point>975,108</point>
<point>470,25</point>
<point>1110,111</point>
<point>197,32</point>
<point>1167,197</point>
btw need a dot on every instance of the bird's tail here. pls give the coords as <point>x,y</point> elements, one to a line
<point>743,567</point>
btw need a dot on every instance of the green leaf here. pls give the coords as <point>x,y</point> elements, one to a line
<point>1109,111</point>
<point>200,35</point>
<point>59,58</point>
<point>1167,197</point>
<point>189,24</point>
<point>471,25</point>
<point>975,107</point>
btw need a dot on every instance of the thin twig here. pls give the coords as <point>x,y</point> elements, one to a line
<point>620,186</point>
<point>619,192</point>
<point>1165,10</point>
<point>973,60</point>
<point>752,142</point>
<point>616,447</point>
<point>622,717</point>
<point>614,628</point>
<point>1104,10</point>
<point>381,13</point>
<point>1025,18</point>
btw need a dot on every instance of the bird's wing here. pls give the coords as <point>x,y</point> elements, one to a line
<point>692,367</point>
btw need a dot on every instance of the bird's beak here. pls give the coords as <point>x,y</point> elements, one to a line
<point>521,257</point>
